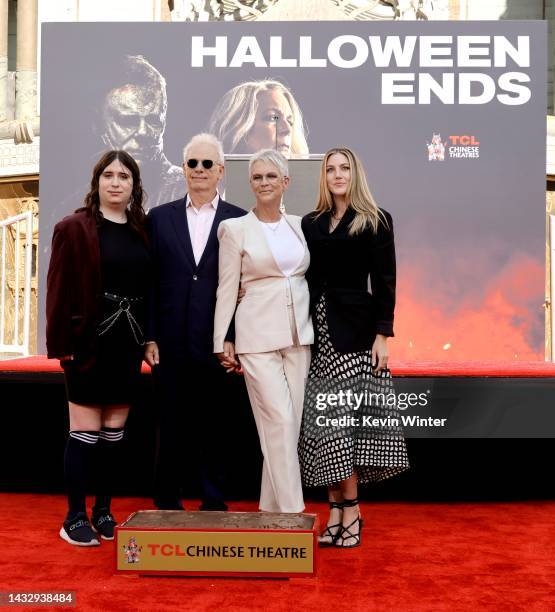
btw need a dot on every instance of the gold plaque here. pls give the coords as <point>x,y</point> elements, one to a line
<point>217,543</point>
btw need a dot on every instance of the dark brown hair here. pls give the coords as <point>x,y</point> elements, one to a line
<point>135,212</point>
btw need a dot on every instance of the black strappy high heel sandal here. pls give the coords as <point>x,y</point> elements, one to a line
<point>327,533</point>
<point>345,533</point>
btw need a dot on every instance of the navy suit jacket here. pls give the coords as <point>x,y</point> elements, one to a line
<point>183,298</point>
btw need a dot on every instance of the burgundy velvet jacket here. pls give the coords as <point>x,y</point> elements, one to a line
<point>73,286</point>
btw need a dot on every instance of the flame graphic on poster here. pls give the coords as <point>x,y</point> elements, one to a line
<point>503,320</point>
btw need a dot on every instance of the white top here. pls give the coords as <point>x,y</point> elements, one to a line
<point>200,223</point>
<point>286,246</point>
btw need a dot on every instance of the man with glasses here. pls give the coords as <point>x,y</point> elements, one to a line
<point>194,403</point>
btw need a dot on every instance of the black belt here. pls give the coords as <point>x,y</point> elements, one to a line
<point>124,304</point>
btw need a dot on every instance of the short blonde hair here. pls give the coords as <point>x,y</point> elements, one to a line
<point>274,157</point>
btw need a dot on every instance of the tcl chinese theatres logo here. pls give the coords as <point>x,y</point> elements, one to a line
<point>457,146</point>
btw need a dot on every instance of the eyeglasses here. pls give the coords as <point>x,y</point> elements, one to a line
<point>271,177</point>
<point>206,163</point>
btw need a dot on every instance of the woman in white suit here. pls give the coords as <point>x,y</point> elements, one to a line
<point>265,254</point>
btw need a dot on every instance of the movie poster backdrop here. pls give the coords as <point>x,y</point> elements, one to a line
<point>449,119</point>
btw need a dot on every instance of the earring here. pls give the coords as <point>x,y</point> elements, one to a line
<point>282,207</point>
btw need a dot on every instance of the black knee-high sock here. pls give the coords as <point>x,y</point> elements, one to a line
<point>108,463</point>
<point>80,447</point>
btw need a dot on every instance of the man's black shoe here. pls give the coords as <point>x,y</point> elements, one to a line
<point>167,505</point>
<point>213,505</point>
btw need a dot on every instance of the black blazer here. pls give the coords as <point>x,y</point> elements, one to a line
<point>183,299</point>
<point>340,265</point>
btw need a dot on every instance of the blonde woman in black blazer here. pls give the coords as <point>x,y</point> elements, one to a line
<point>351,243</point>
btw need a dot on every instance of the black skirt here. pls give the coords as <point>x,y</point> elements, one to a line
<point>110,374</point>
<point>331,451</point>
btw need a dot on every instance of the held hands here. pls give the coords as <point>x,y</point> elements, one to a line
<point>379,354</point>
<point>151,356</point>
<point>228,359</point>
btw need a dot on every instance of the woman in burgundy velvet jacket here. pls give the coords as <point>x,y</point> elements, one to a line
<point>95,310</point>
<point>73,285</point>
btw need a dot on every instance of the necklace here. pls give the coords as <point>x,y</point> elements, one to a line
<point>273,225</point>
<point>269,224</point>
<point>335,221</point>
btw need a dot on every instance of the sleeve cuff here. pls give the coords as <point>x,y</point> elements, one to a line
<point>385,328</point>
<point>218,345</point>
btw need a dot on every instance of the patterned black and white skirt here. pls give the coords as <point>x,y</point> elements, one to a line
<point>350,420</point>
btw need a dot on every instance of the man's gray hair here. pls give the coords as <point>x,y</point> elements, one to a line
<point>205,138</point>
<point>274,157</point>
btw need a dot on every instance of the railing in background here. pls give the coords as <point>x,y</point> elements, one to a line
<point>15,317</point>
<point>550,302</point>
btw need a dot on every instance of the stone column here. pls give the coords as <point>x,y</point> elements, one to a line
<point>26,61</point>
<point>3,60</point>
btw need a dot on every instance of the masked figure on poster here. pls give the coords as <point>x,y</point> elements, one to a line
<point>129,105</point>
<point>132,117</point>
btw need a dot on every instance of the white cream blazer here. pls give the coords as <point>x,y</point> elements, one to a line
<point>262,320</point>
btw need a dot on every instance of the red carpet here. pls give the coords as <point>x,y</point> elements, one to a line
<point>414,557</point>
<point>514,369</point>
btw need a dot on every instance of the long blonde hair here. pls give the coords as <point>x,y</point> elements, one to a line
<point>358,196</point>
<point>234,116</point>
